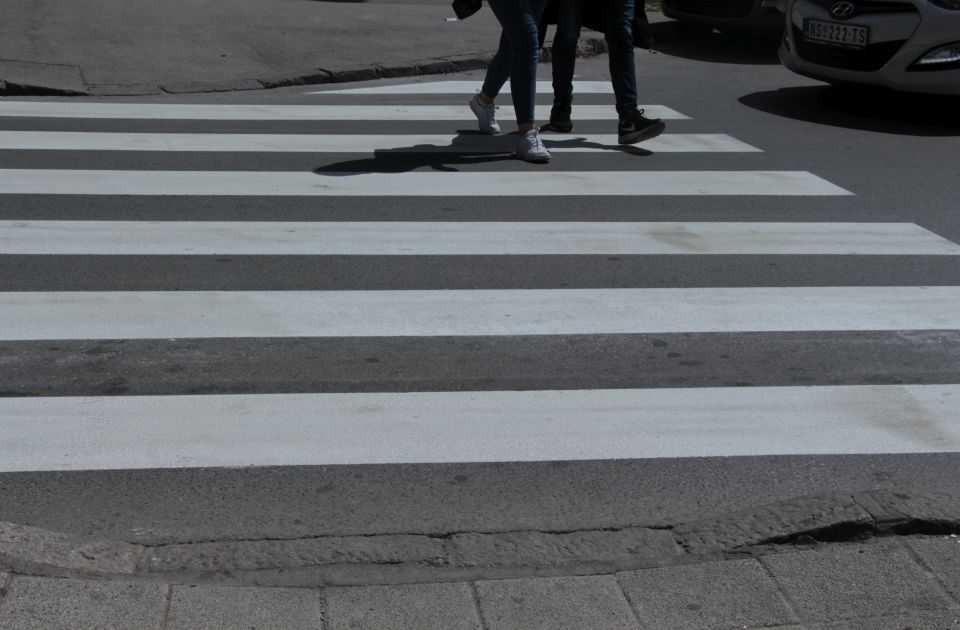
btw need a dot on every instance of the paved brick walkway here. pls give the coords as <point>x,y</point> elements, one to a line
<point>886,583</point>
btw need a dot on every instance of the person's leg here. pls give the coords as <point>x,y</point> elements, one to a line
<point>564,57</point>
<point>633,126</point>
<point>564,51</point>
<point>618,20</point>
<point>497,74</point>
<point>519,20</point>
<point>498,71</point>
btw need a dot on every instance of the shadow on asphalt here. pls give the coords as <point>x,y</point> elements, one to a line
<point>864,108</point>
<point>404,159</point>
<point>735,47</point>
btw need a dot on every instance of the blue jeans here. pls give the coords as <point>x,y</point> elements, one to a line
<point>618,31</point>
<point>517,55</point>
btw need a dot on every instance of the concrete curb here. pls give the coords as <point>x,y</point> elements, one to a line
<point>28,78</point>
<point>395,559</point>
<point>57,83</point>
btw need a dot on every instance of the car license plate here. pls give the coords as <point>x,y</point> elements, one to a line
<point>836,34</point>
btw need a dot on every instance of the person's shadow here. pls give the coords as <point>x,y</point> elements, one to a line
<point>466,148</point>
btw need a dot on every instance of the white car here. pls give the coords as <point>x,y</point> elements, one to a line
<point>909,45</point>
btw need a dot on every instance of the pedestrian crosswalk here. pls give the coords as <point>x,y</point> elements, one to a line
<point>391,113</point>
<point>467,238</point>
<point>344,143</point>
<point>412,184</point>
<point>411,313</point>
<point>182,429</point>
<point>494,426</point>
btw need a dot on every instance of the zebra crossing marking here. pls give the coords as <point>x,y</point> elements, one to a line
<point>365,143</point>
<point>146,432</point>
<point>400,238</point>
<point>414,183</point>
<point>460,87</point>
<point>181,111</point>
<point>83,433</point>
<point>401,313</point>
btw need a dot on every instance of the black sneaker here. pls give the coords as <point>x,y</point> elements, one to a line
<point>635,127</point>
<point>560,119</point>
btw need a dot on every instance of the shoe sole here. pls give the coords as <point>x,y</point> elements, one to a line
<point>532,160</point>
<point>560,128</point>
<point>644,134</point>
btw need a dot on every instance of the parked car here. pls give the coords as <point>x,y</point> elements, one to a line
<point>909,45</point>
<point>726,15</point>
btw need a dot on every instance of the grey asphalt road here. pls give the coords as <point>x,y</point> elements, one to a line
<point>897,153</point>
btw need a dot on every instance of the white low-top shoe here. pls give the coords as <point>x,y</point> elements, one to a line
<point>486,115</point>
<point>530,147</point>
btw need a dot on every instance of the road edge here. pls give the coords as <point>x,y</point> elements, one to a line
<point>55,80</point>
<point>464,556</point>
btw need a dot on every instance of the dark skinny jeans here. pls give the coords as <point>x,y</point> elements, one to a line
<point>517,55</point>
<point>618,31</point>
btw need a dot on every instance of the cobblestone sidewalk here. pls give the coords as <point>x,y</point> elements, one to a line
<point>885,583</point>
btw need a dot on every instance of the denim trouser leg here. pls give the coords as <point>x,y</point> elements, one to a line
<point>564,53</point>
<point>619,36</point>
<point>517,55</point>
<point>498,71</point>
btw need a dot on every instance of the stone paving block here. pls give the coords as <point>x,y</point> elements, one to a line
<point>212,86</point>
<point>628,546</point>
<point>942,555</point>
<point>765,523</point>
<point>248,608</point>
<point>572,603</point>
<point>849,581</point>
<point>915,505</point>
<point>421,606</point>
<point>42,76</point>
<point>237,556</point>
<point>925,620</point>
<point>55,603</point>
<point>736,593</point>
<point>34,551</point>
<point>130,89</point>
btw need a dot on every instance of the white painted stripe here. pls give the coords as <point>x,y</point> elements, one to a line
<point>141,432</point>
<point>414,183</point>
<point>206,314</point>
<point>400,238</point>
<point>88,109</point>
<point>328,143</point>
<point>464,87</point>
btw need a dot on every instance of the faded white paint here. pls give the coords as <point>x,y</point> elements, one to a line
<point>366,143</point>
<point>399,238</point>
<point>139,432</point>
<point>168,111</point>
<point>205,314</point>
<point>414,183</point>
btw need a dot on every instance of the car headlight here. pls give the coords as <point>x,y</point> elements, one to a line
<point>953,5</point>
<point>942,58</point>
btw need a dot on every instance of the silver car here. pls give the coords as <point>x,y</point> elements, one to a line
<point>910,45</point>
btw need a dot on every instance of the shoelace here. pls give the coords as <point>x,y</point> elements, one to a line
<point>534,142</point>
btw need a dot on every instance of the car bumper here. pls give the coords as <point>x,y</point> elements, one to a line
<point>897,41</point>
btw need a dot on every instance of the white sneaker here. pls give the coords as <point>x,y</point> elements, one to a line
<point>530,147</point>
<point>486,115</point>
